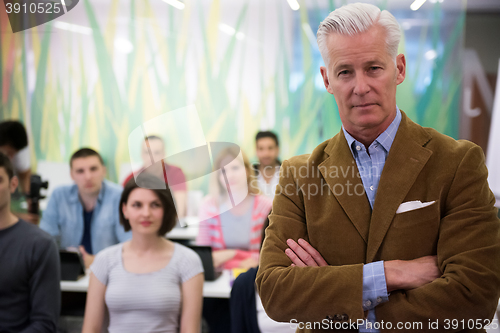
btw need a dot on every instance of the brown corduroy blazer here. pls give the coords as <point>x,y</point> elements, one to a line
<point>320,198</point>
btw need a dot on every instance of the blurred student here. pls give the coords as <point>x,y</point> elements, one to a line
<point>233,231</point>
<point>30,293</point>
<point>14,144</point>
<point>148,284</point>
<point>267,170</point>
<point>152,152</point>
<point>84,215</point>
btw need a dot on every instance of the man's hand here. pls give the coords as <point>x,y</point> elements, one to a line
<point>88,259</point>
<point>303,254</point>
<point>410,274</point>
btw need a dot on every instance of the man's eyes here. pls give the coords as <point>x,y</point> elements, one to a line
<point>371,69</point>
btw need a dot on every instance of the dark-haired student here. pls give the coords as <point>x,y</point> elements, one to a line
<point>14,144</point>
<point>267,170</point>
<point>29,268</point>
<point>84,215</point>
<point>148,284</point>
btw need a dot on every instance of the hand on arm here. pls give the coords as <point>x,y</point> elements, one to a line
<point>192,301</point>
<point>303,254</point>
<point>410,274</point>
<point>95,307</point>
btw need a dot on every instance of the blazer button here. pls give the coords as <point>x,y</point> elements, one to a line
<point>329,317</point>
<point>345,317</point>
<point>337,317</point>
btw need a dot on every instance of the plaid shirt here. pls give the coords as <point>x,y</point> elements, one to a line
<point>370,165</point>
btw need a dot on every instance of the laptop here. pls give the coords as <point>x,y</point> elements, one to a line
<point>72,265</point>
<point>205,254</point>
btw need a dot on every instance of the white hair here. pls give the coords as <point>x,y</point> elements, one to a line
<point>357,18</point>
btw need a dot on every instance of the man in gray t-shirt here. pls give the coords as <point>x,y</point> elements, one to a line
<point>30,293</point>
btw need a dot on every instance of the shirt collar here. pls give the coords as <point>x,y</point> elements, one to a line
<point>385,139</point>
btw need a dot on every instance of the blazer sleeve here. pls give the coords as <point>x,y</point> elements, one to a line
<point>468,253</point>
<point>305,294</point>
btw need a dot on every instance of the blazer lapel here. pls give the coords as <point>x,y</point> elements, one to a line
<point>346,180</point>
<point>406,159</point>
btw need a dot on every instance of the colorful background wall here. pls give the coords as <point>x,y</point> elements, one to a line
<point>92,76</point>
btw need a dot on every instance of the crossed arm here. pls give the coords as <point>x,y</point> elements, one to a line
<point>399,274</point>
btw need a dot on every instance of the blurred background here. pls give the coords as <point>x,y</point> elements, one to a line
<point>92,76</point>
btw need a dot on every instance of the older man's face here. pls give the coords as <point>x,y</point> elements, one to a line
<point>363,78</point>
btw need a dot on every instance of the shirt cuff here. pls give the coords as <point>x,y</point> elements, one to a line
<point>374,285</point>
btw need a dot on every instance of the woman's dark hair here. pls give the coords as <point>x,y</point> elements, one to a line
<point>151,183</point>
<point>13,133</point>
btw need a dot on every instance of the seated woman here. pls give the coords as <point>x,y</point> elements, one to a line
<point>231,216</point>
<point>148,284</point>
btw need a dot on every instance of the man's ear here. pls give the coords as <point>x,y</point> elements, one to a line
<point>326,81</point>
<point>401,68</point>
<point>13,184</point>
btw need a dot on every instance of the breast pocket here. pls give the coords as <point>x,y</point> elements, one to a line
<point>412,234</point>
<point>419,216</point>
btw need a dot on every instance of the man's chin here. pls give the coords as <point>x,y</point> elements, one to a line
<point>90,190</point>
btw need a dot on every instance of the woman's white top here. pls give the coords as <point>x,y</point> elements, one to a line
<point>149,302</point>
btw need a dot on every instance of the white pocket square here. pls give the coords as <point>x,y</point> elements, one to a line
<point>412,205</point>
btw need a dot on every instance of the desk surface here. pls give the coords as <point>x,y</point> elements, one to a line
<point>189,233</point>
<point>219,288</point>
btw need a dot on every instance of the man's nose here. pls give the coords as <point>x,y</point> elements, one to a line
<point>361,86</point>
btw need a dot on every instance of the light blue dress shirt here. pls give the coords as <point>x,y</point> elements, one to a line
<point>63,217</point>
<point>370,165</point>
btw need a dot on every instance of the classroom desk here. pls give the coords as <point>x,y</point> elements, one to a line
<point>188,233</point>
<point>219,288</point>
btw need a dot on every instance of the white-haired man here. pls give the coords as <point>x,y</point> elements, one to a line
<point>399,218</point>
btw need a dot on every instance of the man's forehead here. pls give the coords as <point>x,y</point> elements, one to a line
<point>368,44</point>
<point>266,142</point>
<point>153,144</point>
<point>86,162</point>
